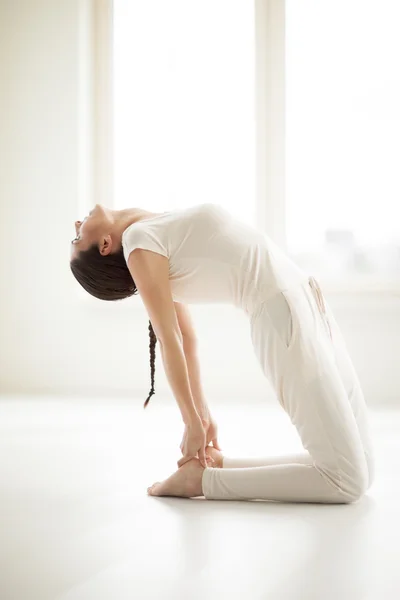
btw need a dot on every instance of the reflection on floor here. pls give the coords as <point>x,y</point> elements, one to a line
<point>76,522</point>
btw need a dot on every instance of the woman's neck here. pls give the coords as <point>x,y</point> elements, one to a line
<point>127,216</point>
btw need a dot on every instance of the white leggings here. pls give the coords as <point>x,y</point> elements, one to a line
<point>303,354</point>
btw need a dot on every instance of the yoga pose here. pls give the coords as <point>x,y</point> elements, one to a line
<point>204,254</point>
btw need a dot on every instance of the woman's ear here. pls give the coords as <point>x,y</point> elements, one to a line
<point>106,245</point>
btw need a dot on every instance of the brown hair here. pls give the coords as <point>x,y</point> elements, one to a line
<point>108,278</point>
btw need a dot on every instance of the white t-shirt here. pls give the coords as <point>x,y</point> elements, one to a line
<point>214,257</point>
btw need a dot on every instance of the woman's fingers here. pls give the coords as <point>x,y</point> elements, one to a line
<point>184,459</point>
<point>202,458</point>
<point>216,444</point>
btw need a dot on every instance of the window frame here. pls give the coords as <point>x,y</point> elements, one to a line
<point>96,128</point>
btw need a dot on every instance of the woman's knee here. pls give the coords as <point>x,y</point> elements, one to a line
<point>355,484</point>
<point>371,468</point>
<point>351,484</point>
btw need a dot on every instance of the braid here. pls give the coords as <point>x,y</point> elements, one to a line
<point>153,340</point>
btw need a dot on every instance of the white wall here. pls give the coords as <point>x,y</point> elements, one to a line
<point>51,339</point>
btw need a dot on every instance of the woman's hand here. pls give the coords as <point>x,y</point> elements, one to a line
<point>211,430</point>
<point>193,442</point>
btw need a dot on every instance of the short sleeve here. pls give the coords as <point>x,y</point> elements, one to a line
<point>137,236</point>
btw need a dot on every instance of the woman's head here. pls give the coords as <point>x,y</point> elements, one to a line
<point>98,264</point>
<point>97,229</point>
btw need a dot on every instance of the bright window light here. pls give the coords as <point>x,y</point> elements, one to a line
<point>184,107</point>
<point>343,136</point>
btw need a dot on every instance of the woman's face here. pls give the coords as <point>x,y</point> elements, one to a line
<point>91,229</point>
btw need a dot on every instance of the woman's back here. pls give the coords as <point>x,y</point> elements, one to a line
<point>214,257</point>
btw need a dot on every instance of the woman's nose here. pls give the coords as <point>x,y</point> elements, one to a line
<point>77,224</point>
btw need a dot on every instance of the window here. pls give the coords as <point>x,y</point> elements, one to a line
<point>184,116</point>
<point>343,137</point>
<point>286,112</point>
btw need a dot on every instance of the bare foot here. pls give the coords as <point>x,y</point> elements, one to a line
<point>185,482</point>
<point>216,455</point>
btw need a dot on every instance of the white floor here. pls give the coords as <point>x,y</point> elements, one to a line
<point>76,522</point>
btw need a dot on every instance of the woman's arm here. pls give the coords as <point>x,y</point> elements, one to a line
<point>189,338</point>
<point>150,272</point>
<point>193,374</point>
<point>193,365</point>
<point>176,370</point>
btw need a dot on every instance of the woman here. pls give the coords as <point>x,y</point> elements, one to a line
<point>204,254</point>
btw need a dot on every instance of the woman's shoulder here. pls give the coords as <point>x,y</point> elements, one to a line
<point>176,215</point>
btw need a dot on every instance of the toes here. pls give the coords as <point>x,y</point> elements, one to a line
<point>151,489</point>
<point>156,489</point>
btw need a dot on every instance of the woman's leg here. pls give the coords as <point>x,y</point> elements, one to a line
<point>354,392</point>
<point>302,364</point>
<point>287,459</point>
